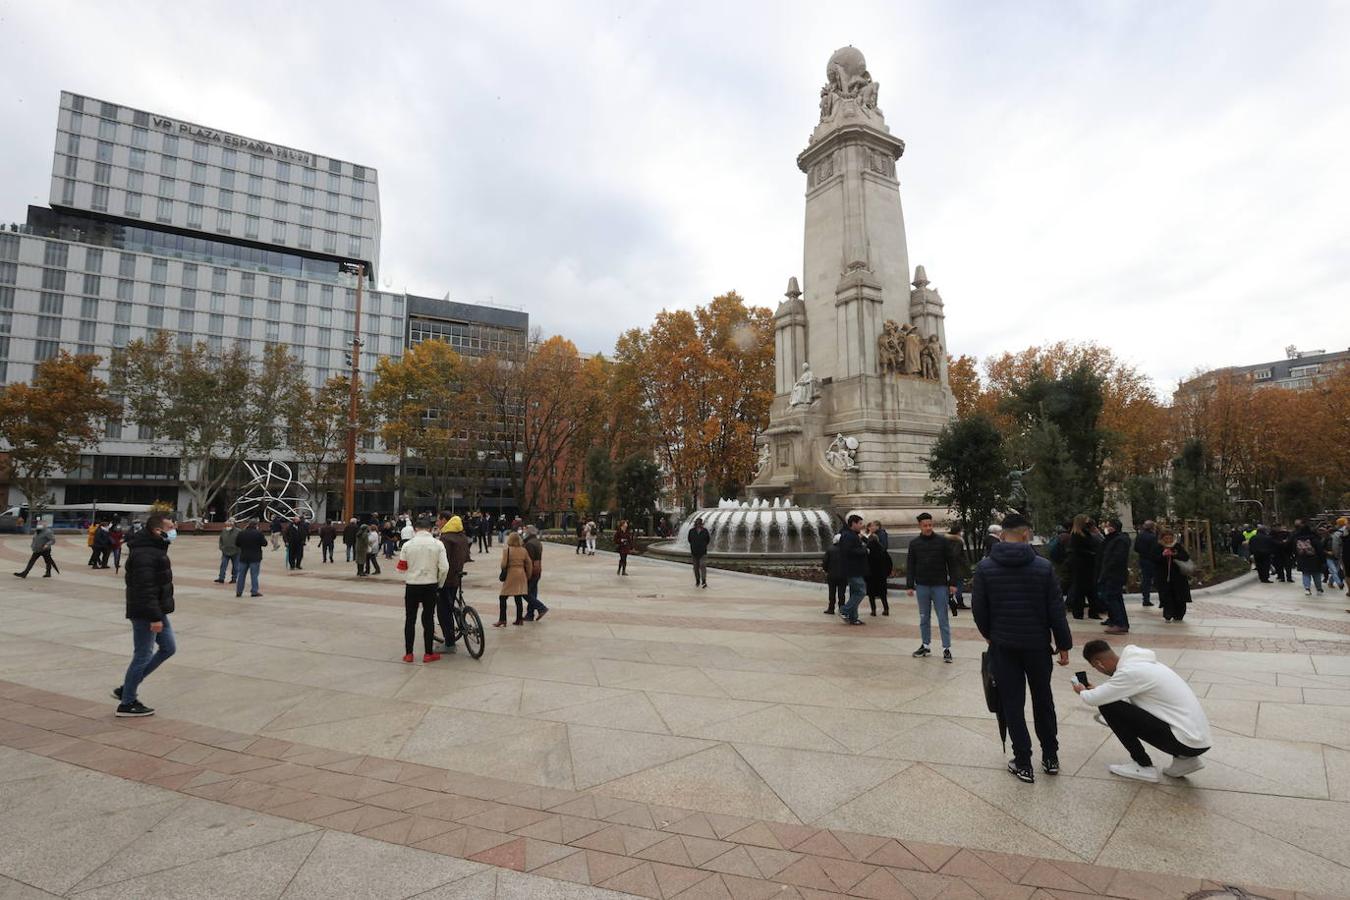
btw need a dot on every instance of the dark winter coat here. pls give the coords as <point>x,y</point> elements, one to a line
<point>699,539</point>
<point>251,543</point>
<point>1262,544</point>
<point>456,554</point>
<point>1309,563</point>
<point>989,542</point>
<point>1016,601</point>
<point>149,578</point>
<point>1113,560</point>
<point>349,534</point>
<point>1144,544</point>
<point>853,554</point>
<point>1082,559</point>
<point>833,565</point>
<point>1168,577</point>
<point>327,534</point>
<point>931,560</point>
<point>879,564</point>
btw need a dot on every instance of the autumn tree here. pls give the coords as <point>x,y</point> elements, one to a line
<point>599,478</point>
<point>964,379</point>
<point>637,486</point>
<point>211,408</point>
<point>46,424</point>
<point>1067,410</point>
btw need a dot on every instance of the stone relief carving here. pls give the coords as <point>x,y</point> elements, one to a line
<point>841,454</point>
<point>902,350</point>
<point>847,79</point>
<point>765,461</point>
<point>804,390</point>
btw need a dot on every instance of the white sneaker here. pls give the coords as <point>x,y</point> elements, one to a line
<point>1135,771</point>
<point>1182,766</point>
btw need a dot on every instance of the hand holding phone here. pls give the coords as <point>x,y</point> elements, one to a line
<point>1082,678</point>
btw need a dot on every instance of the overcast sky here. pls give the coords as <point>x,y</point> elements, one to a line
<point>1169,179</point>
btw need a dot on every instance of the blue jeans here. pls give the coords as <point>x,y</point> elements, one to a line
<point>857,588</point>
<point>532,604</point>
<point>1114,598</point>
<point>145,658</point>
<point>246,568</point>
<point>931,597</point>
<point>1311,580</point>
<point>351,554</point>
<point>233,562</point>
<point>1334,574</point>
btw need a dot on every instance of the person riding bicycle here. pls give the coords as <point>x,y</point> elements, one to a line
<point>456,553</point>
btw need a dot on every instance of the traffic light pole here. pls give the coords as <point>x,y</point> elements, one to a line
<point>349,482</point>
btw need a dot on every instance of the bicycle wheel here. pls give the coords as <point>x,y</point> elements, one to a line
<point>472,632</point>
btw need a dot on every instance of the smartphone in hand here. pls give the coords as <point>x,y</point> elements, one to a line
<point>1082,678</point>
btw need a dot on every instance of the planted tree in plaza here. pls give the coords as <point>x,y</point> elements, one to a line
<point>970,472</point>
<point>1197,491</point>
<point>599,478</point>
<point>637,486</point>
<point>211,408</point>
<point>46,424</point>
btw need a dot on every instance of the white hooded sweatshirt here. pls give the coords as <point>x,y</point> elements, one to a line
<point>1148,684</point>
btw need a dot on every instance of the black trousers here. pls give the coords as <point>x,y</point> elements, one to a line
<point>520,608</point>
<point>1262,566</point>
<point>297,553</point>
<point>327,552</point>
<point>1015,671</point>
<point>418,598</point>
<point>445,602</point>
<point>46,557</point>
<point>623,563</point>
<point>838,594</point>
<point>876,590</point>
<point>1135,727</point>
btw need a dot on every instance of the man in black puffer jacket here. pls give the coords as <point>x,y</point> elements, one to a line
<point>1018,608</point>
<point>149,580</point>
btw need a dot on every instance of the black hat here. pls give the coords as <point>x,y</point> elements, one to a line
<point>1015,520</point>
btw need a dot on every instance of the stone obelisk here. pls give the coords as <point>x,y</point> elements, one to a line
<point>861,373</point>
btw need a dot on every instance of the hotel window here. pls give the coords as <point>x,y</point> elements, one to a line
<point>67,192</point>
<point>330,221</point>
<point>51,303</point>
<point>187,298</point>
<point>354,246</point>
<point>135,181</point>
<point>251,227</point>
<point>170,145</point>
<point>140,138</point>
<point>167,187</point>
<point>45,350</point>
<point>93,260</point>
<point>112,429</point>
<point>159,270</point>
<point>104,152</point>
<point>278,232</point>
<point>92,284</point>
<point>189,275</point>
<point>168,165</point>
<point>187,320</point>
<point>223,221</point>
<point>1304,371</point>
<point>253,205</point>
<point>216,324</point>
<point>198,172</point>
<point>89,308</point>
<point>200,151</point>
<point>154,317</point>
<point>325,337</point>
<point>333,202</point>
<point>55,253</point>
<point>356,225</point>
<point>136,160</point>
<point>227,179</point>
<point>157,294</point>
<point>284,171</point>
<point>107,110</point>
<point>99,200</point>
<point>122,313</point>
<point>76,122</point>
<point>359,173</point>
<point>280,190</point>
<point>88,333</point>
<point>228,158</point>
<point>325,315</point>
<point>334,179</point>
<point>102,173</point>
<point>73,167</point>
<point>125,289</point>
<point>255,184</point>
<point>255,164</point>
<point>357,203</point>
<point>323,357</point>
<point>246,307</point>
<point>219,279</point>
<point>307,196</point>
<point>246,282</point>
<point>77,103</point>
<point>218,303</point>
<point>194,216</point>
<point>329,242</point>
<point>196,193</point>
<point>214,343</point>
<point>9,248</point>
<point>48,327</point>
<point>307,176</point>
<point>272,332</point>
<point>306,215</point>
<point>301,292</point>
<point>299,313</point>
<point>281,210</point>
<point>306,238</point>
<point>73,144</point>
<point>297,334</point>
<point>53,280</point>
<point>164,213</point>
<point>226,200</point>
<point>107,130</point>
<point>274,288</point>
<point>274,309</point>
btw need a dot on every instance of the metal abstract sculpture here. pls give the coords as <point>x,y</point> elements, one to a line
<point>266,495</point>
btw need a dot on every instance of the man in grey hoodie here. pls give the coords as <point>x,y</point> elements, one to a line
<point>43,541</point>
<point>229,552</point>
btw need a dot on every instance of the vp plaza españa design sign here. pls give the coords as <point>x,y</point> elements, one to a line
<point>233,140</point>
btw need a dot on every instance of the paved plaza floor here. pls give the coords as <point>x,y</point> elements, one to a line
<point>646,738</point>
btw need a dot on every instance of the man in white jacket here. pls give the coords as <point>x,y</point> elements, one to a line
<point>425,567</point>
<point>1146,702</point>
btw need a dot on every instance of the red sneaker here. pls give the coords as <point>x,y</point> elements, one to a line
<point>407,657</point>
<point>430,657</point>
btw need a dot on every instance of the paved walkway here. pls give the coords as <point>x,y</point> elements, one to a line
<point>646,739</point>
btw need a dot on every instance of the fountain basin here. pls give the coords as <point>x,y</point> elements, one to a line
<point>758,531</point>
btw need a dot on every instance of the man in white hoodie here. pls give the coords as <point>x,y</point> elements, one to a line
<point>1146,702</point>
<point>425,567</point>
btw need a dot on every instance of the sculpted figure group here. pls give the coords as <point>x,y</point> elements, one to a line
<point>901,350</point>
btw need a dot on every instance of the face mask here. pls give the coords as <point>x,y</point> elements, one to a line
<point>170,535</point>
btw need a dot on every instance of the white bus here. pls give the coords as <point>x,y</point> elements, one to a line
<point>71,515</point>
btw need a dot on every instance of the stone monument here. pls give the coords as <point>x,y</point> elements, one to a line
<point>861,361</point>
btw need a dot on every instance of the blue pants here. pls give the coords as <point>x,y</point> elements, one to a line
<point>857,588</point>
<point>931,597</point>
<point>532,604</point>
<point>1145,577</point>
<point>233,562</point>
<point>149,654</point>
<point>1312,580</point>
<point>246,568</point>
<point>1114,598</point>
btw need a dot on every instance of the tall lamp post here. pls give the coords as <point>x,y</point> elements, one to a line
<point>349,482</point>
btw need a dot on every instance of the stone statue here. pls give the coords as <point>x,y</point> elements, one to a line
<point>913,347</point>
<point>765,459</point>
<point>826,103</point>
<point>928,358</point>
<point>890,348</point>
<point>847,78</point>
<point>804,390</point>
<point>840,453</point>
<point>1017,492</point>
<point>868,94</point>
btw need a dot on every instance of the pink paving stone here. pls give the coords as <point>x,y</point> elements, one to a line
<point>403,798</point>
<point>452,808</point>
<point>675,879</point>
<point>1009,865</point>
<point>1151,886</point>
<point>966,864</point>
<point>232,763</point>
<point>824,844</point>
<point>893,853</point>
<point>360,818</point>
<point>789,836</point>
<point>637,815</point>
<point>542,853</point>
<point>190,753</point>
<point>881,885</point>
<point>1044,873</point>
<point>505,818</point>
<point>510,855</point>
<point>736,861</point>
<point>1097,878</point>
<point>711,888</point>
<point>639,880</point>
<point>934,856</point>
<point>671,850</point>
<point>746,888</point>
<point>769,861</point>
<point>696,825</point>
<point>272,748</point>
<point>383,769</point>
<point>604,866</point>
<point>999,890</point>
<point>806,872</point>
<point>569,868</point>
<point>860,845</point>
<point>312,808</point>
<point>845,873</point>
<point>923,885</point>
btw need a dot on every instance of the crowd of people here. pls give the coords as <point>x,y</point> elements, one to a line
<point>1321,555</point>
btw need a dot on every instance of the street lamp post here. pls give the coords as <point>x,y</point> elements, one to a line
<point>353,400</point>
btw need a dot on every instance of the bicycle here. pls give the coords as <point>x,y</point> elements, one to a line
<point>467,625</point>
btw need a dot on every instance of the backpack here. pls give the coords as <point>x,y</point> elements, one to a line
<point>1304,547</point>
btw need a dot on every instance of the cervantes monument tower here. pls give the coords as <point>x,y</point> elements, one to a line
<point>861,364</point>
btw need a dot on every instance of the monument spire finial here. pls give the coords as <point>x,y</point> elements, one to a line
<point>920,277</point>
<point>794,291</point>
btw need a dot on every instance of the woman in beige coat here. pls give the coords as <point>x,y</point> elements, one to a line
<point>516,568</point>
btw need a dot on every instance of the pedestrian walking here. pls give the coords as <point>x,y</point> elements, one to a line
<point>1145,702</point>
<point>228,543</point>
<point>854,554</point>
<point>930,575</point>
<point>591,531</point>
<point>1083,544</point>
<point>1331,545</point>
<point>41,546</point>
<point>1113,570</point>
<point>327,541</point>
<point>1171,573</point>
<point>371,552</point>
<point>623,542</point>
<point>350,531</point>
<point>1019,610</point>
<point>1262,547</point>
<point>278,530</point>
<point>1283,558</point>
<point>118,537</point>
<point>699,539</point>
<point>424,565</point>
<point>1309,556</point>
<point>250,542</point>
<point>581,537</point>
<point>102,545</point>
<point>1145,542</point>
<point>957,601</point>
<point>90,532</point>
<point>149,582</point>
<point>879,568</point>
<point>991,538</point>
<point>297,535</point>
<point>836,578</point>
<point>514,577</point>
<point>534,609</point>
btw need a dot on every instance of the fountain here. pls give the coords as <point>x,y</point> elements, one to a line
<point>771,531</point>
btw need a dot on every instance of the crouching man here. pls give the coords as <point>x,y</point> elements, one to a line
<point>1145,702</point>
